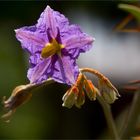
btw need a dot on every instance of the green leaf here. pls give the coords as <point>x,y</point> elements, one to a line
<point>134,10</point>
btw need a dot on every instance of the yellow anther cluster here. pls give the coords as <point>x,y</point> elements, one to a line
<point>51,48</point>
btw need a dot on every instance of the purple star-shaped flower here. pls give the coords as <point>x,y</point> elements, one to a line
<point>54,46</point>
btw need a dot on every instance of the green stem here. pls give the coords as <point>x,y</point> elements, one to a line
<point>109,118</point>
<point>131,118</point>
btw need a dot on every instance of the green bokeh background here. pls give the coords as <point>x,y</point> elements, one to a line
<point>43,117</point>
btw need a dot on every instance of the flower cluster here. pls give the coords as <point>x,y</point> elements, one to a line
<point>76,94</point>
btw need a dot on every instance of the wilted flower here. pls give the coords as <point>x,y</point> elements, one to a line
<point>54,46</point>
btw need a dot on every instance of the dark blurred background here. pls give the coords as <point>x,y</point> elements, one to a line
<point>114,54</point>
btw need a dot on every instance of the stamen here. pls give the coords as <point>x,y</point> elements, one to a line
<point>51,48</point>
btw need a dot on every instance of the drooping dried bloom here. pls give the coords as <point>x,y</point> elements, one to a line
<point>54,45</point>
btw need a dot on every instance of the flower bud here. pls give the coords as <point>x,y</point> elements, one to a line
<point>91,90</point>
<point>70,97</point>
<point>80,99</point>
<point>81,95</point>
<point>108,91</point>
<point>18,97</point>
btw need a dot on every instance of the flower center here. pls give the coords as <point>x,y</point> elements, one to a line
<point>51,48</point>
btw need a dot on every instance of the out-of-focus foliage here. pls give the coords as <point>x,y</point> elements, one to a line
<point>131,124</point>
<point>133,14</point>
<point>134,10</point>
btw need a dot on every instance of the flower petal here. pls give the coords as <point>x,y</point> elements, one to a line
<point>51,22</point>
<point>30,38</point>
<point>65,70</point>
<point>71,30</point>
<point>82,42</point>
<point>50,19</point>
<point>76,41</point>
<point>39,73</point>
<point>34,59</point>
